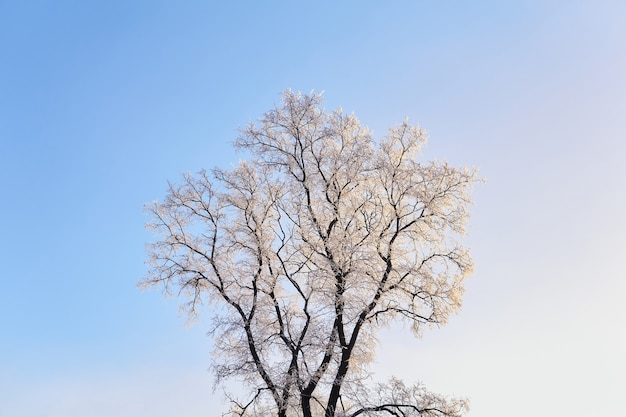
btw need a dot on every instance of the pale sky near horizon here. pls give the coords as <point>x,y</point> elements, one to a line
<point>101,103</point>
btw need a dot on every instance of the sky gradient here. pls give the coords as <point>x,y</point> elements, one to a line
<point>102,103</point>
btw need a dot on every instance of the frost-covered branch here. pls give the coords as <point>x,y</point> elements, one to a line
<point>396,399</point>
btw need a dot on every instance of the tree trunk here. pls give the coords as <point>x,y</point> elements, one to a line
<point>305,402</point>
<point>335,391</point>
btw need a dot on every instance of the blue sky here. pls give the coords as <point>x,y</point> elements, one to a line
<point>101,103</point>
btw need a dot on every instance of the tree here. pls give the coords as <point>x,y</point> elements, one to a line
<point>307,249</point>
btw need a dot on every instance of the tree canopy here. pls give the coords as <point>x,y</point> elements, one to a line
<point>306,249</point>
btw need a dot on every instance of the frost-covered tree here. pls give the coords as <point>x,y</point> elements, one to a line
<point>306,249</point>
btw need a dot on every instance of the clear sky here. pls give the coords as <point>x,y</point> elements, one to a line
<point>101,103</point>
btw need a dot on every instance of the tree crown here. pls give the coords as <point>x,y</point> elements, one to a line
<point>307,248</point>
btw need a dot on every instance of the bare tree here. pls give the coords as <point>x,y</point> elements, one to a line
<point>307,249</point>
